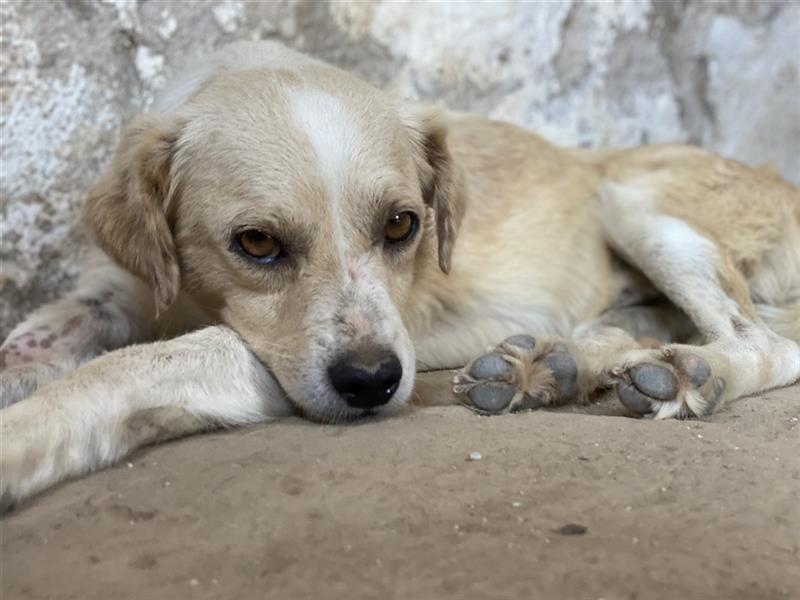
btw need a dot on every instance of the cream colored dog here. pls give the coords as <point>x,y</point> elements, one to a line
<point>300,241</point>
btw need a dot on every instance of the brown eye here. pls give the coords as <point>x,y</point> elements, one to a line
<point>400,227</point>
<point>259,245</point>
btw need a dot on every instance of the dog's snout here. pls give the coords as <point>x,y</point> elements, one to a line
<point>366,381</point>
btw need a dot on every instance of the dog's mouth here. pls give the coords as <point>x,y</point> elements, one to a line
<point>342,416</point>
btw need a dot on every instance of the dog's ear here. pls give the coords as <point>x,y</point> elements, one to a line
<point>439,177</point>
<point>127,210</point>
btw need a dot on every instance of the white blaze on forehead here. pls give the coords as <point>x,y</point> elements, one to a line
<point>333,134</point>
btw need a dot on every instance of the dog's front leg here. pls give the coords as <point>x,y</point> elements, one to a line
<point>129,398</point>
<point>525,373</point>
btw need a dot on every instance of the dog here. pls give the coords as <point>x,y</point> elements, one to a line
<point>278,237</point>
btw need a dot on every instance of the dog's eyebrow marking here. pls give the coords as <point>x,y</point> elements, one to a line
<point>334,136</point>
<point>330,128</point>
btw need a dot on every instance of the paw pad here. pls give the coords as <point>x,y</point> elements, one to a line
<point>490,366</point>
<point>670,389</point>
<point>526,342</point>
<point>517,375</point>
<point>565,372</point>
<point>491,396</point>
<point>655,381</point>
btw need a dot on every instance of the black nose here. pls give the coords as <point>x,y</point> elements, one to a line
<point>368,380</point>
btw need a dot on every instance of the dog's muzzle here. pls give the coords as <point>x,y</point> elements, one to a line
<point>366,379</point>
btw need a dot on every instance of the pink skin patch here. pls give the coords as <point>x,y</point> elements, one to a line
<point>41,344</point>
<point>358,320</point>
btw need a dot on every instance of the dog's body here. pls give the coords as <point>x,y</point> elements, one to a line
<point>608,262</point>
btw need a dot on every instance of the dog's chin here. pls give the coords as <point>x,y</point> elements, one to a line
<point>337,412</point>
<point>329,409</point>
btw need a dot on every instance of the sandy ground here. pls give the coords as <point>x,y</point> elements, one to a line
<point>560,505</point>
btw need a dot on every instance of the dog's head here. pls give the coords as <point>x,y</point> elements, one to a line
<point>297,207</point>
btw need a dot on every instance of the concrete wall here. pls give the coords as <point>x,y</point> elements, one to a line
<point>722,74</point>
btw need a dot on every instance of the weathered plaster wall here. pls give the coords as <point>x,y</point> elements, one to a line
<point>723,74</point>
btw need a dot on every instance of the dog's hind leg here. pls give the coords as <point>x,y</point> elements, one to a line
<point>740,355</point>
<point>783,320</point>
<point>109,308</point>
<point>128,398</point>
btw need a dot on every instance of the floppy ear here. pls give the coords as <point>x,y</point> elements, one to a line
<point>439,177</point>
<point>127,210</point>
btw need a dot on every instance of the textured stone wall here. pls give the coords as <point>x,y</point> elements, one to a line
<point>723,74</point>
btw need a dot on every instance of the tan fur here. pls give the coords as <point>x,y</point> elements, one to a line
<point>620,263</point>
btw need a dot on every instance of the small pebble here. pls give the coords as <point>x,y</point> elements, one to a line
<point>572,529</point>
<point>194,582</point>
<point>516,504</point>
<point>130,465</point>
<point>475,456</point>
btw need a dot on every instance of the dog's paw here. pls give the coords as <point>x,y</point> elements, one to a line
<point>668,383</point>
<point>517,375</point>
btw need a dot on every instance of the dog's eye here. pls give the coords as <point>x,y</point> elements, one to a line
<point>259,245</point>
<point>401,227</point>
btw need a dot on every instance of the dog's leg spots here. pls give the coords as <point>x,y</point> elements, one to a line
<point>668,383</point>
<point>519,374</point>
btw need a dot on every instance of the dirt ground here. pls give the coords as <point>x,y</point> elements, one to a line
<point>559,505</point>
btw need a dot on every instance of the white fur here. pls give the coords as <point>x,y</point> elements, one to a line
<point>334,137</point>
